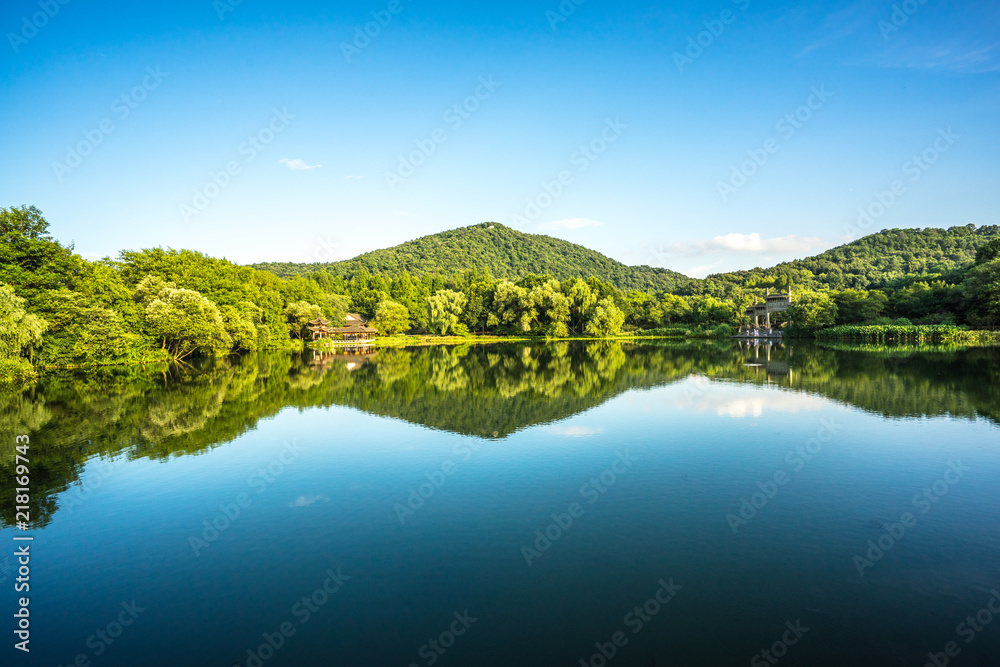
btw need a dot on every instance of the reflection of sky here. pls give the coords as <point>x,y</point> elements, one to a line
<point>575,431</point>
<point>727,400</point>
<point>306,501</point>
<point>663,517</point>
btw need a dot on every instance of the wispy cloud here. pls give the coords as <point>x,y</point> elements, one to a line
<point>571,223</point>
<point>353,177</point>
<point>298,165</point>
<point>841,25</point>
<point>732,246</point>
<point>953,57</point>
<point>882,35</point>
<point>741,244</point>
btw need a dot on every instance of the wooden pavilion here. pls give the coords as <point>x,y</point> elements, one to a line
<point>355,330</point>
<point>760,314</point>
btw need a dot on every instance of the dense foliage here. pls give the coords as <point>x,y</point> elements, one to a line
<point>159,304</point>
<point>904,333</point>
<point>504,252</point>
<point>890,258</point>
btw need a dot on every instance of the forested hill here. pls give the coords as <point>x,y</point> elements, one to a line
<point>507,253</point>
<point>879,259</point>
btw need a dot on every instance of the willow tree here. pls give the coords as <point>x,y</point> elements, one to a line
<point>299,315</point>
<point>444,309</point>
<point>20,333</point>
<point>607,319</point>
<point>183,320</point>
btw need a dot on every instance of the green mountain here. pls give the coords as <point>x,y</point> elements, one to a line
<point>507,253</point>
<point>879,259</point>
<point>870,262</point>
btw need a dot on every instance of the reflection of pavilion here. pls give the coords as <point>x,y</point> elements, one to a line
<point>354,332</point>
<point>760,314</point>
<point>353,357</point>
<point>757,355</point>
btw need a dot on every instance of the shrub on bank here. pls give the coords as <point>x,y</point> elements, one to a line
<point>888,333</point>
<point>16,374</point>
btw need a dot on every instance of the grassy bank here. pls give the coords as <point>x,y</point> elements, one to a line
<point>938,333</point>
<point>406,340</point>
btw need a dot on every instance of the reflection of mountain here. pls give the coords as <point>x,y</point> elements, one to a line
<point>486,392</point>
<point>890,381</point>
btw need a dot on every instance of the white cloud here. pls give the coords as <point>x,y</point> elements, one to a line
<point>572,223</point>
<point>702,270</point>
<point>298,165</point>
<point>741,244</point>
<point>754,243</point>
<point>353,177</point>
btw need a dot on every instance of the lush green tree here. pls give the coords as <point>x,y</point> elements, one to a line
<point>478,289</point>
<point>30,260</point>
<point>813,310</point>
<point>104,339</point>
<point>25,222</point>
<point>552,309</point>
<point>242,326</point>
<point>335,308</point>
<point>711,311</point>
<point>150,288</point>
<point>855,306</point>
<point>982,290</point>
<point>606,320</point>
<point>391,318</point>
<point>366,290</point>
<point>299,315</point>
<point>924,300</point>
<point>673,309</point>
<point>988,252</point>
<point>581,301</point>
<point>512,307</point>
<point>642,310</point>
<point>444,309</point>
<point>20,331</point>
<point>186,322</point>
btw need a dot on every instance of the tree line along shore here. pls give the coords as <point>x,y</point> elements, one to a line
<point>58,309</point>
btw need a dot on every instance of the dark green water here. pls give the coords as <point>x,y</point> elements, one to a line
<point>655,504</point>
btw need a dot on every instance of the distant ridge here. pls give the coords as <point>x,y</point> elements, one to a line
<point>878,259</point>
<point>866,263</point>
<point>505,252</point>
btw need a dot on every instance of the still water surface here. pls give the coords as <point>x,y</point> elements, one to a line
<point>660,504</point>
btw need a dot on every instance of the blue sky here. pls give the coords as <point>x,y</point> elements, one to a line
<point>702,136</point>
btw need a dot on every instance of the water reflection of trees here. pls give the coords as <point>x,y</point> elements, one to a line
<point>162,411</point>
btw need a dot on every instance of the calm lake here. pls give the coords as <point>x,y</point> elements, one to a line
<point>566,504</point>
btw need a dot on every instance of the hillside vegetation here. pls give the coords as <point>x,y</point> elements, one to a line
<point>58,309</point>
<point>879,260</point>
<point>502,251</point>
